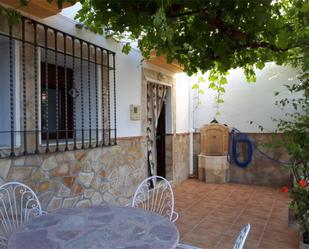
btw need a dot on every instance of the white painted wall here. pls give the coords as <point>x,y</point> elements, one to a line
<point>128,70</point>
<point>245,102</point>
<point>182,103</point>
<point>128,79</point>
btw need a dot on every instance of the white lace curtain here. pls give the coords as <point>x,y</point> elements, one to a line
<point>156,94</point>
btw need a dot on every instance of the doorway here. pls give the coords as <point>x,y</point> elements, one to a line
<point>160,140</point>
<point>159,128</point>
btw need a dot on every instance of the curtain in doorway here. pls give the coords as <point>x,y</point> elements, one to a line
<point>156,94</point>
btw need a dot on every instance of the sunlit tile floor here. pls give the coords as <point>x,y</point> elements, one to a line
<point>211,215</point>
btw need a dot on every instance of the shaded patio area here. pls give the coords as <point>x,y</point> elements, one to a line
<point>211,215</point>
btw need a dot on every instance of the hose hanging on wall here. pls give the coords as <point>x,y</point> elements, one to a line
<point>237,137</point>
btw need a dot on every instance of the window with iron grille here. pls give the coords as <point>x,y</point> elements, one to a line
<point>57,91</point>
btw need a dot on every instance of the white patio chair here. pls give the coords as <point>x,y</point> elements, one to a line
<point>18,204</point>
<point>241,238</point>
<point>155,194</point>
<point>185,246</point>
<point>239,242</point>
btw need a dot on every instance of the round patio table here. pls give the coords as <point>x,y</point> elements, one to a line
<point>99,227</point>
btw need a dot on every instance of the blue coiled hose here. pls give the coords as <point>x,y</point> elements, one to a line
<point>237,137</point>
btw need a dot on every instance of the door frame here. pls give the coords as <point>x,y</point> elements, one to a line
<point>170,89</point>
<point>151,74</point>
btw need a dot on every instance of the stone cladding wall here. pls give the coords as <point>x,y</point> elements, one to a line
<point>83,177</point>
<point>181,157</point>
<point>261,171</point>
<point>169,156</point>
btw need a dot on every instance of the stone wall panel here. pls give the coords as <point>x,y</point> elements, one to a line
<point>83,177</point>
<point>169,156</point>
<point>261,170</point>
<point>181,157</point>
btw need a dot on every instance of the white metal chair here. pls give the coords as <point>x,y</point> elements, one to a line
<point>155,194</point>
<point>241,238</point>
<point>185,246</point>
<point>239,242</point>
<point>18,204</point>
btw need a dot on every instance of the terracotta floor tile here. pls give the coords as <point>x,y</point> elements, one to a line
<point>280,215</point>
<point>211,215</point>
<point>261,202</point>
<point>187,215</point>
<point>278,219</point>
<point>275,245</point>
<point>199,211</point>
<point>286,239</point>
<point>186,224</point>
<point>227,242</point>
<point>222,217</point>
<point>287,235</point>
<point>235,204</point>
<point>197,244</point>
<point>278,226</point>
<point>256,214</point>
<point>209,239</point>
<point>214,226</point>
<point>207,204</point>
<point>182,232</point>
<point>252,219</point>
<point>251,244</point>
<point>256,231</point>
<point>226,211</point>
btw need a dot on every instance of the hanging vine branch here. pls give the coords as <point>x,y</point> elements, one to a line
<point>206,35</point>
<point>12,15</point>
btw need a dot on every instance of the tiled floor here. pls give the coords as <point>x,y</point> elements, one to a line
<point>211,215</point>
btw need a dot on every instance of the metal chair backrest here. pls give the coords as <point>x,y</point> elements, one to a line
<point>155,194</point>
<point>241,238</point>
<point>18,204</point>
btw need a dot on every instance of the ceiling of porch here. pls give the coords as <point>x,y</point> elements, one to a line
<point>160,61</point>
<point>37,8</point>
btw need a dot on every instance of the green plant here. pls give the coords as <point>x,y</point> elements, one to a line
<point>295,127</point>
<point>295,139</point>
<point>216,82</point>
<point>203,36</point>
<point>13,16</point>
<point>300,206</point>
<point>214,35</point>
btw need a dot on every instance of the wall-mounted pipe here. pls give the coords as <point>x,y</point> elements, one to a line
<point>190,127</point>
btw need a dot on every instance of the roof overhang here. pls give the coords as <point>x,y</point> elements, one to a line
<point>37,8</point>
<point>160,61</point>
